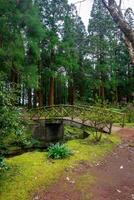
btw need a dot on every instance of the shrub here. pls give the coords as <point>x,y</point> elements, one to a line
<point>130,113</point>
<point>3,165</point>
<point>58,151</point>
<point>97,136</point>
<point>11,122</point>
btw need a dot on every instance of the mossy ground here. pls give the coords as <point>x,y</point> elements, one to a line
<point>127,125</point>
<point>31,171</point>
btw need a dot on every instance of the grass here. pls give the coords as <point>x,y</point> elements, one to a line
<point>127,125</point>
<point>31,171</point>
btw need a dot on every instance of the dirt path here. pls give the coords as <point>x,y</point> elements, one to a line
<point>114,177</point>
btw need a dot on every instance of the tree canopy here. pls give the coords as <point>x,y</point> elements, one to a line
<point>47,55</point>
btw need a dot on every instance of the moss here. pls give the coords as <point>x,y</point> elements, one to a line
<point>71,132</point>
<point>31,171</point>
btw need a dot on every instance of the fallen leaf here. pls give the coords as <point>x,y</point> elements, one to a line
<point>67,178</point>
<point>121,167</point>
<point>36,198</point>
<point>72,182</point>
<point>118,191</point>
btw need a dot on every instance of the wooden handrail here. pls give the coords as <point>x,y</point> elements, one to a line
<point>80,112</point>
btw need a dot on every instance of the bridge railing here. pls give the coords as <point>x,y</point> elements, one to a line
<point>73,111</point>
<point>59,111</point>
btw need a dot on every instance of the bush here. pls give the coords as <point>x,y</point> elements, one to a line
<point>58,151</point>
<point>130,113</point>
<point>11,122</point>
<point>97,136</point>
<point>3,165</point>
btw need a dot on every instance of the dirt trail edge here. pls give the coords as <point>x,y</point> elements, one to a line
<point>114,177</point>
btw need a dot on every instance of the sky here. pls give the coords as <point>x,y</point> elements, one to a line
<point>85,7</point>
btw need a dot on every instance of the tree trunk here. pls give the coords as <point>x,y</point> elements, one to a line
<point>29,98</point>
<point>40,98</point>
<point>35,99</point>
<point>102,92</point>
<point>51,92</point>
<point>14,77</point>
<point>23,95</point>
<point>81,90</point>
<point>71,93</point>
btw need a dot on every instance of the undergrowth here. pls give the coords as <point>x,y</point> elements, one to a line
<point>31,171</point>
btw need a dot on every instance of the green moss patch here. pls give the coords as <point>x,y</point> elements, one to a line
<point>72,132</point>
<point>31,171</point>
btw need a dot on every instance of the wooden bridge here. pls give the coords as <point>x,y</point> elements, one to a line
<point>95,117</point>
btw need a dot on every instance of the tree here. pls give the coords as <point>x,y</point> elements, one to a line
<point>125,27</point>
<point>20,35</point>
<point>73,51</point>
<point>108,57</point>
<point>69,51</point>
<point>52,16</point>
<point>101,35</point>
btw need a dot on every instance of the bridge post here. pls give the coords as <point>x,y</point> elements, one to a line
<point>123,120</point>
<point>110,127</point>
<point>61,110</point>
<point>72,117</point>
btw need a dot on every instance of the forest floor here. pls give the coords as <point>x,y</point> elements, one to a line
<point>110,179</point>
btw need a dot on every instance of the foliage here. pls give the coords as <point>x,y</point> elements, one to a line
<point>3,165</point>
<point>29,172</point>
<point>46,50</point>
<point>100,117</point>
<point>129,110</point>
<point>110,72</point>
<point>10,120</point>
<point>71,132</point>
<point>58,151</point>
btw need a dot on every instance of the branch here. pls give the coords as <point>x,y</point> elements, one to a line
<point>124,26</point>
<point>120,3</point>
<point>81,1</point>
